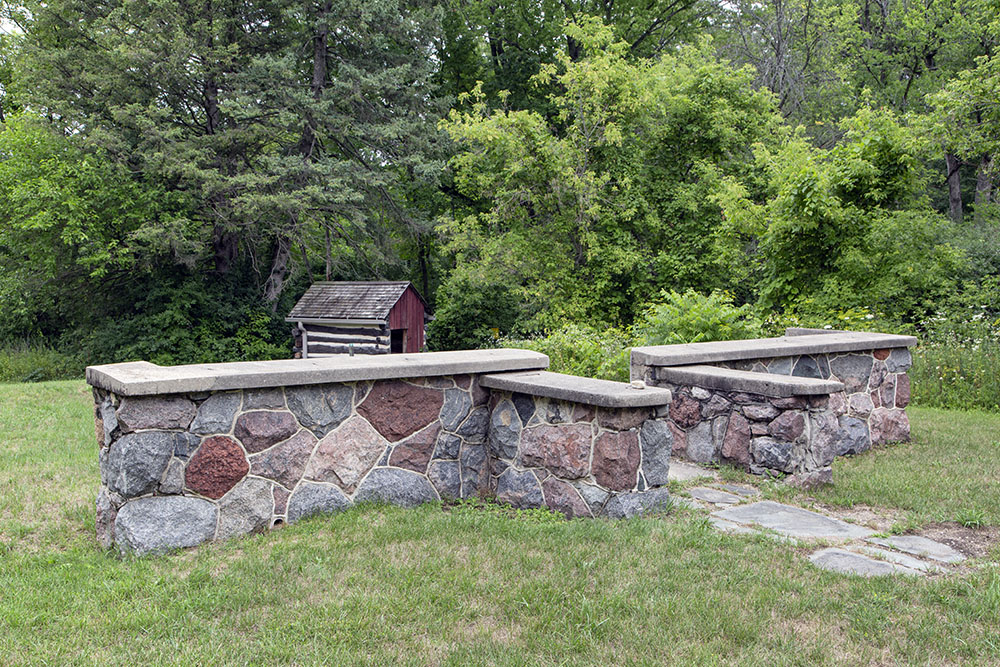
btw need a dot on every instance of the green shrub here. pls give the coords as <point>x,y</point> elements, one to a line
<point>692,317</point>
<point>24,362</point>
<point>580,350</point>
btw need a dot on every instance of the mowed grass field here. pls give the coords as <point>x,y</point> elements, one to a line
<point>469,586</point>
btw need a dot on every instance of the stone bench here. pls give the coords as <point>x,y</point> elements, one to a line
<point>783,405</point>
<point>209,451</point>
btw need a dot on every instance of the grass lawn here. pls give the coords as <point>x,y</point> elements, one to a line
<point>381,585</point>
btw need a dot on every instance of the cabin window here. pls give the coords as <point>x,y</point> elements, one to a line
<point>397,341</point>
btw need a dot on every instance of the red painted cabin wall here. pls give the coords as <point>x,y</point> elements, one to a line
<point>408,313</point>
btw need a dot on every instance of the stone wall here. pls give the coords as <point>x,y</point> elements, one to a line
<point>180,469</point>
<point>578,459</point>
<point>177,470</point>
<point>872,407</point>
<point>797,435</point>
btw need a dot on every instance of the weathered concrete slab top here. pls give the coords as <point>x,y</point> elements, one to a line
<point>761,348</point>
<point>793,521</point>
<point>765,384</point>
<point>602,393</point>
<point>141,378</point>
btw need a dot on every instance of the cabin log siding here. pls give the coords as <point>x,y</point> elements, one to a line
<point>337,318</point>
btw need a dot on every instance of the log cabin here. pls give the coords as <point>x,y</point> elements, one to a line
<point>359,318</point>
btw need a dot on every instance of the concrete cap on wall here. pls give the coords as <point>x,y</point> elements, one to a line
<point>141,378</point>
<point>602,393</point>
<point>767,348</point>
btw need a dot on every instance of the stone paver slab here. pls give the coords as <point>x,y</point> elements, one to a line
<point>920,546</point>
<point>793,521</point>
<point>713,495</point>
<point>745,491</point>
<point>900,559</point>
<point>680,471</point>
<point>848,562</point>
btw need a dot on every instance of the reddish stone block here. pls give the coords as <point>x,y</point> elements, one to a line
<point>285,462</point>
<point>680,439</point>
<point>562,497</point>
<point>736,443</point>
<point>889,426</point>
<point>790,403</point>
<point>155,412</point>
<point>902,390</point>
<point>622,420</point>
<point>415,453</point>
<point>583,413</point>
<point>616,460</point>
<point>685,411</point>
<point>463,381</point>
<point>787,427</point>
<point>563,450</point>
<point>261,429</point>
<point>218,465</point>
<point>280,496</point>
<point>398,409</point>
<point>881,355</point>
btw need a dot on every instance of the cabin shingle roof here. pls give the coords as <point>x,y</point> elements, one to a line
<point>348,301</point>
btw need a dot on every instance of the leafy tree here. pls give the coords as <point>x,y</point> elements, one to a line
<point>585,215</point>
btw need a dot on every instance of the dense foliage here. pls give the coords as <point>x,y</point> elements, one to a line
<point>583,174</point>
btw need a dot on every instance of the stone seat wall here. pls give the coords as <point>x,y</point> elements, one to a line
<point>765,431</point>
<point>182,467</point>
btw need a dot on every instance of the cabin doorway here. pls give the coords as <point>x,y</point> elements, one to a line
<point>397,341</point>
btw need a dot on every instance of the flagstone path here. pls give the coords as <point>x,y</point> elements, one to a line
<point>848,548</point>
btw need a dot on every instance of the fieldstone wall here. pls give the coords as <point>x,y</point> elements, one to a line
<point>798,435</point>
<point>577,459</point>
<point>871,409</point>
<point>177,470</point>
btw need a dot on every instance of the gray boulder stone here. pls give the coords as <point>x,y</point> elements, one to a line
<point>771,453</point>
<point>173,479</point>
<point>135,463</point>
<point>154,412</point>
<point>446,478</point>
<point>657,441</point>
<point>476,425</point>
<point>247,508</point>
<point>474,473</point>
<point>700,446</point>
<point>106,514</point>
<point>760,411</point>
<point>448,447</point>
<point>395,486</point>
<point>320,408</point>
<point>807,367</point>
<point>853,370</point>
<point>285,462</point>
<point>780,366</point>
<point>854,436</point>
<point>263,399</point>
<point>161,523</point>
<point>519,489</point>
<point>505,430</point>
<point>311,498</point>
<point>456,407</point>
<point>185,444</point>
<point>217,413</point>
<point>525,406</point>
<point>899,360</point>
<point>628,505</point>
<point>594,496</point>
<point>109,419</point>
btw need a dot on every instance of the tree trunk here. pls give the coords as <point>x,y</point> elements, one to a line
<point>307,147</point>
<point>954,187</point>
